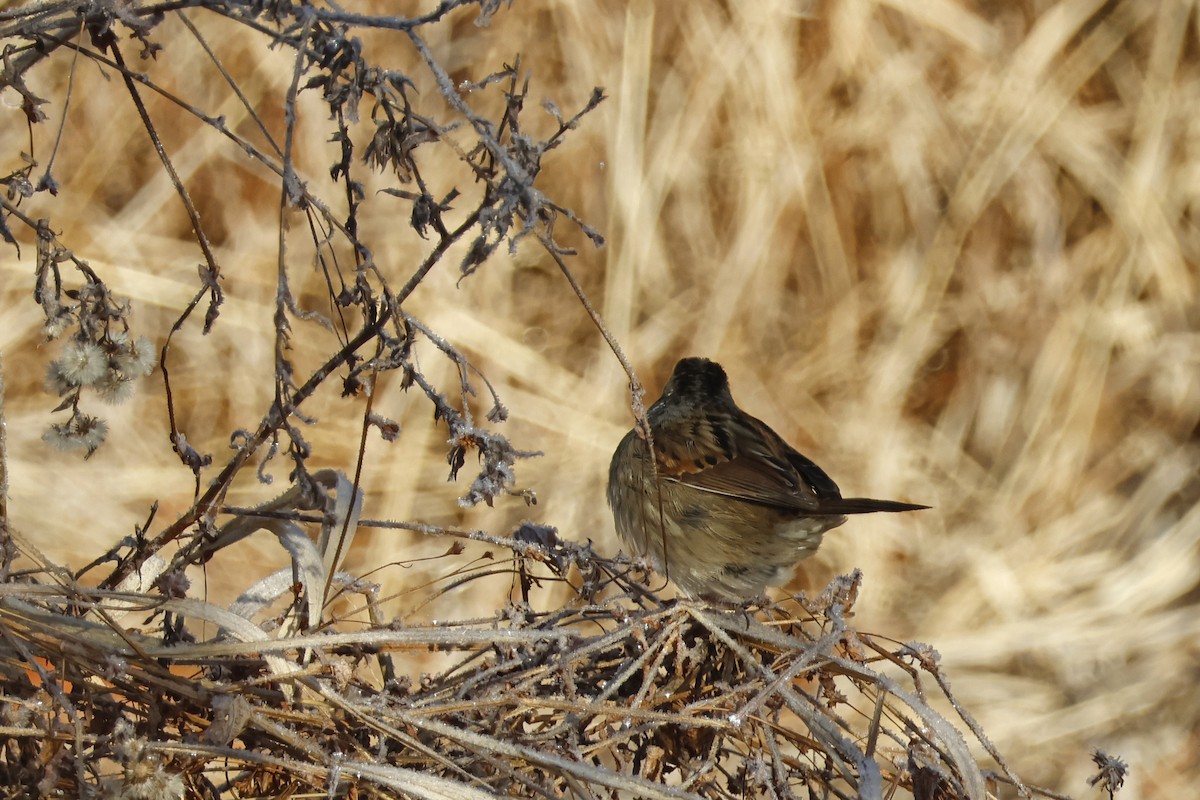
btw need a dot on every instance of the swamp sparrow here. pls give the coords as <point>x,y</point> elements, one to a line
<point>734,507</point>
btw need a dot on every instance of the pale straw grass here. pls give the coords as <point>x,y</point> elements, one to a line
<point>946,249</point>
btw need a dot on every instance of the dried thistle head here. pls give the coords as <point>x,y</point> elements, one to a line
<point>1110,776</point>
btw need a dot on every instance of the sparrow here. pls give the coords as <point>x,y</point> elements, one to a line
<point>725,508</point>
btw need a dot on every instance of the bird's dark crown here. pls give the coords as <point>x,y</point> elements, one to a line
<point>697,378</point>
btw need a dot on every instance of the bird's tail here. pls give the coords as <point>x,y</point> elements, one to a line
<point>862,505</point>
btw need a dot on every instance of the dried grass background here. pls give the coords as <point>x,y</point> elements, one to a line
<point>946,249</point>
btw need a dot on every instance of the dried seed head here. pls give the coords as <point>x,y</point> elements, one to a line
<point>83,362</point>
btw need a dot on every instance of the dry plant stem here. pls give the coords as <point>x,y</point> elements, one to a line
<point>174,435</point>
<point>978,731</point>
<point>340,17</point>
<point>419,274</point>
<point>69,15</point>
<point>278,416</point>
<point>469,714</point>
<point>721,625</point>
<point>355,483</point>
<point>53,686</point>
<point>635,385</point>
<point>289,197</point>
<point>210,277</point>
<point>532,197</point>
<point>876,719</point>
<point>931,666</point>
<point>558,765</point>
<point>325,768</point>
<point>838,747</point>
<point>218,124</point>
<point>636,390</point>
<point>270,424</point>
<point>3,460</point>
<point>210,258</point>
<point>41,229</point>
<point>231,83</point>
<point>383,726</point>
<point>519,547</point>
<point>62,124</point>
<point>316,769</point>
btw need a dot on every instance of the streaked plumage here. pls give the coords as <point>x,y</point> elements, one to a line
<point>739,507</point>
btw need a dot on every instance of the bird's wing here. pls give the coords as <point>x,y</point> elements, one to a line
<point>742,459</point>
<point>813,475</point>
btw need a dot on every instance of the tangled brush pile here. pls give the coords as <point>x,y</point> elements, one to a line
<point>615,692</point>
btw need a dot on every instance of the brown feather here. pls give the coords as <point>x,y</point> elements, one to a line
<point>734,506</point>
